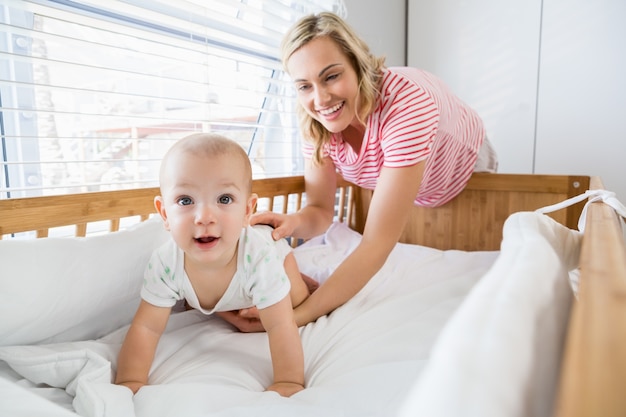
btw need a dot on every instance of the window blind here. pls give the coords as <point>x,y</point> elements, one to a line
<point>93,93</point>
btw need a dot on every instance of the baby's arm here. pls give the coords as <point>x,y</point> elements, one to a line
<point>285,348</point>
<point>137,352</point>
<point>299,289</point>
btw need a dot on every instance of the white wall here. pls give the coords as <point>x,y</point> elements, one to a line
<point>581,124</point>
<point>489,56</point>
<point>546,76</point>
<point>382,25</point>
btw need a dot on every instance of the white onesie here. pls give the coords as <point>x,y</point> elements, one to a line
<point>260,279</point>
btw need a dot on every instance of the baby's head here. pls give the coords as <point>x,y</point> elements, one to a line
<point>206,193</point>
<point>208,146</point>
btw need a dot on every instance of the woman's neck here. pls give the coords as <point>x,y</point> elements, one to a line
<point>353,136</point>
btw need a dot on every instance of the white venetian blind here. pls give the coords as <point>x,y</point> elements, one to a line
<point>92,93</point>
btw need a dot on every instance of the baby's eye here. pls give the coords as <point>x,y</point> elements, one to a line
<point>225,199</point>
<point>184,201</point>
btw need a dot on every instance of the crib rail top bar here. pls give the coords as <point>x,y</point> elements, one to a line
<point>42,213</point>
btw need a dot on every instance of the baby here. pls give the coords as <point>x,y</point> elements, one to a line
<point>215,260</point>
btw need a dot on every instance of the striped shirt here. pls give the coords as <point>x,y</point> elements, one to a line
<point>417,118</point>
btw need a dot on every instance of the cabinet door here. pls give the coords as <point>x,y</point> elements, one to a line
<point>581,119</point>
<point>488,52</point>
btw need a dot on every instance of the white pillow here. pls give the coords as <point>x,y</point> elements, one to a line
<point>499,354</point>
<point>68,289</point>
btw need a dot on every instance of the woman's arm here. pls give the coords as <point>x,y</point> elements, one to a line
<point>314,218</point>
<point>388,213</point>
<point>137,352</point>
<point>285,348</point>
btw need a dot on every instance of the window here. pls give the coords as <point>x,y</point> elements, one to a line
<point>93,93</point>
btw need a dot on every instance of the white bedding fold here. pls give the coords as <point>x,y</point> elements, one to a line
<point>361,360</point>
<point>500,352</point>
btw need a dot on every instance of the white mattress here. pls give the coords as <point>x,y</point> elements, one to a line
<point>367,358</point>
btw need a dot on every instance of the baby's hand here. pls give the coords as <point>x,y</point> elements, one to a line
<point>286,389</point>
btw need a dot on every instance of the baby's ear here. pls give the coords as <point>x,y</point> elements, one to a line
<point>251,207</point>
<point>159,205</point>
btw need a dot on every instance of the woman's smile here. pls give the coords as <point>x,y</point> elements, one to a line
<point>331,110</point>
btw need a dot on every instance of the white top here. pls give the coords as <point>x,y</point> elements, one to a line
<point>260,279</point>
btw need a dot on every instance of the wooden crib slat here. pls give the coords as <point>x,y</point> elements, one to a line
<point>114,225</point>
<point>298,201</point>
<point>341,203</point>
<point>351,205</point>
<point>81,230</point>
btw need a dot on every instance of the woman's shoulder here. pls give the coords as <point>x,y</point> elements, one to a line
<point>402,86</point>
<point>394,77</point>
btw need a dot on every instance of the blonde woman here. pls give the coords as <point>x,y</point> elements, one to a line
<point>398,131</point>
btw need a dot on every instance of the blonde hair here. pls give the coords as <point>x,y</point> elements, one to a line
<point>367,67</point>
<point>209,145</point>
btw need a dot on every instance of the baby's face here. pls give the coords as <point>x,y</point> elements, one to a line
<point>206,202</point>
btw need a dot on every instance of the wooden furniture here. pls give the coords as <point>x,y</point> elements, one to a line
<point>594,364</point>
<point>472,221</point>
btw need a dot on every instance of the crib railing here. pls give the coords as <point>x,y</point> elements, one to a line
<point>42,214</point>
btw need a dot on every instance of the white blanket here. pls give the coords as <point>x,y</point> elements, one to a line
<point>362,360</point>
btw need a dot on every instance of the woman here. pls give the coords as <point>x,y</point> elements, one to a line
<point>399,131</point>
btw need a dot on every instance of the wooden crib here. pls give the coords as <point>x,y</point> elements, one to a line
<point>594,364</point>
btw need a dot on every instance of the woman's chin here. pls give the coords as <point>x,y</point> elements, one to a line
<point>333,126</point>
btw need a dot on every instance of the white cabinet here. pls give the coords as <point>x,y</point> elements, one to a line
<point>548,77</point>
<point>581,119</point>
<point>381,25</point>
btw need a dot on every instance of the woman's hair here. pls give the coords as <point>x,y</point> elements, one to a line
<point>367,66</point>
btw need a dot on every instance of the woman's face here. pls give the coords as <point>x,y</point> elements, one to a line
<point>326,83</point>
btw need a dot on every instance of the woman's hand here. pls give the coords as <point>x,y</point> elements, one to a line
<point>311,284</point>
<point>283,224</point>
<point>245,320</point>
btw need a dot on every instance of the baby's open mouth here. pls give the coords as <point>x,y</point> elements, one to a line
<point>206,239</point>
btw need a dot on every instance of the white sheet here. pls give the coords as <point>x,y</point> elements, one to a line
<point>360,360</point>
<point>365,359</point>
